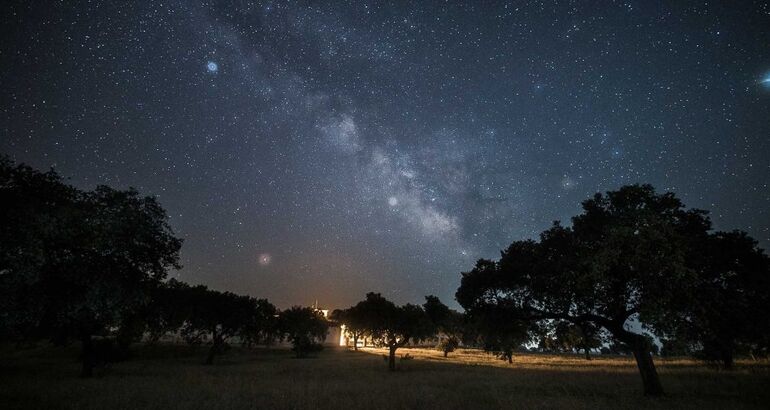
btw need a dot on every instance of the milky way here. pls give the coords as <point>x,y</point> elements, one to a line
<point>321,150</point>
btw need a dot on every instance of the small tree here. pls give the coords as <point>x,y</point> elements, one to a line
<point>354,320</point>
<point>305,328</point>
<point>500,331</point>
<point>167,310</point>
<point>448,344</point>
<point>447,324</point>
<point>394,325</point>
<point>261,324</point>
<point>218,316</point>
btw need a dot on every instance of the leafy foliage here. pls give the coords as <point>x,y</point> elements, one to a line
<point>729,309</point>
<point>564,336</point>
<point>625,257</point>
<point>394,326</point>
<point>305,328</point>
<point>355,322</point>
<point>447,324</point>
<point>76,264</point>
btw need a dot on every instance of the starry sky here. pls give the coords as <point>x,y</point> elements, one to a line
<point>319,150</point>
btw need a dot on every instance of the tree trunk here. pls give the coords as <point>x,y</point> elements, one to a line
<point>214,348</point>
<point>446,352</point>
<point>727,359</point>
<point>641,350</point>
<point>650,379</point>
<point>588,353</point>
<point>392,358</point>
<point>212,353</point>
<point>124,348</point>
<point>355,342</point>
<point>88,356</point>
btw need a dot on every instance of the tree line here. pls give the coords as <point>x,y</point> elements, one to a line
<point>635,270</point>
<point>91,266</point>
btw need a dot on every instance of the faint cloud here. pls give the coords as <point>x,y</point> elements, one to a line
<point>434,222</point>
<point>393,173</point>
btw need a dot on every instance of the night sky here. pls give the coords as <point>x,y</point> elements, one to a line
<point>322,150</point>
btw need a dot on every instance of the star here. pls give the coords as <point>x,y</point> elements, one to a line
<point>212,66</point>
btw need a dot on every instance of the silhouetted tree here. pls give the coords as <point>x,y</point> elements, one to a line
<point>75,263</point>
<point>730,307</point>
<point>394,325</point>
<point>261,325</point>
<point>168,309</point>
<point>354,320</point>
<point>624,258</point>
<point>220,316</point>
<point>448,344</point>
<point>500,330</point>
<point>305,328</point>
<point>447,324</point>
<point>38,215</point>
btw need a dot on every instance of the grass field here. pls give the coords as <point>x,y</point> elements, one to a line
<point>170,377</point>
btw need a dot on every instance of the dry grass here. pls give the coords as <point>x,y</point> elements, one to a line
<point>169,377</point>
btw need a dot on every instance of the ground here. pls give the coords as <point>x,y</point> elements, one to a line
<point>169,377</point>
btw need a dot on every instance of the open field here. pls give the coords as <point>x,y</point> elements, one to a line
<point>169,377</point>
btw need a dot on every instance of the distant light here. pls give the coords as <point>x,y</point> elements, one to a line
<point>264,259</point>
<point>212,67</point>
<point>343,339</point>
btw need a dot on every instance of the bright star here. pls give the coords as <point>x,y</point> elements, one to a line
<point>212,67</point>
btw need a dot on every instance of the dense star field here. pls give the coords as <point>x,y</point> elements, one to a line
<point>321,150</point>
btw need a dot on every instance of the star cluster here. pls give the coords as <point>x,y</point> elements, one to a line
<point>319,150</point>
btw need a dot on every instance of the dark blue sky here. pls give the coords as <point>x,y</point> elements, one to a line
<point>321,150</point>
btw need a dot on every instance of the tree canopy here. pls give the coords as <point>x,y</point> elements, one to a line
<point>75,263</point>
<point>447,324</point>
<point>729,307</point>
<point>394,326</point>
<point>354,320</point>
<point>624,259</point>
<point>305,328</point>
